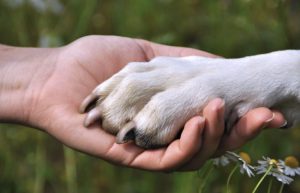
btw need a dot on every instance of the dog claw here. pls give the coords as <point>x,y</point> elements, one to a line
<point>87,102</point>
<point>92,116</point>
<point>126,134</point>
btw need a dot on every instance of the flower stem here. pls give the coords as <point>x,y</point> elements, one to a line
<point>270,185</point>
<point>281,188</point>
<point>204,170</point>
<point>229,178</point>
<point>262,178</point>
<point>207,174</point>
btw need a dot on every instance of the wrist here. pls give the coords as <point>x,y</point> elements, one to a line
<point>19,67</point>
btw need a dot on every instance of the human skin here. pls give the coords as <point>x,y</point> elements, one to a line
<point>43,88</point>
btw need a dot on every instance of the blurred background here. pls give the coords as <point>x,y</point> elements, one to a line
<point>31,161</point>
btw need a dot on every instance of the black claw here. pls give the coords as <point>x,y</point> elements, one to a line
<point>88,103</point>
<point>286,125</point>
<point>127,133</point>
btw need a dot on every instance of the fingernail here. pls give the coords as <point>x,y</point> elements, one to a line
<point>218,104</point>
<point>267,122</point>
<point>201,119</point>
<point>221,109</point>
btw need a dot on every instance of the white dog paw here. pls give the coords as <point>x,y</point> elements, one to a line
<point>145,99</point>
<point>149,102</point>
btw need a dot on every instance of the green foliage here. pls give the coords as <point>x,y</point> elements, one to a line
<point>31,161</point>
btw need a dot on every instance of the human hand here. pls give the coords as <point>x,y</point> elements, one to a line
<point>51,84</point>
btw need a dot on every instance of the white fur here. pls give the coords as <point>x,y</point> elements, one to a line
<point>161,95</point>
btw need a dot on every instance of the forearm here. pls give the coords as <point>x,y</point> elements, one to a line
<point>18,68</point>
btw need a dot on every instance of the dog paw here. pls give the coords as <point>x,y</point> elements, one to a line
<point>147,102</point>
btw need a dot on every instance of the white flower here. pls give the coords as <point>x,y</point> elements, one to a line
<point>290,166</point>
<point>221,161</point>
<point>276,170</point>
<point>243,159</point>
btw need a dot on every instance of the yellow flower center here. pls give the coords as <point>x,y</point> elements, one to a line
<point>245,157</point>
<point>291,161</point>
<point>273,162</point>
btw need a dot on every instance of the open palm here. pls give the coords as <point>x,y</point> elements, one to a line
<point>78,68</point>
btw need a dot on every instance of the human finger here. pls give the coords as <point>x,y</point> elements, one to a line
<point>250,126</point>
<point>152,50</point>
<point>177,153</point>
<point>214,129</point>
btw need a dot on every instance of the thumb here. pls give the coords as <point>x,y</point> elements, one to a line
<point>152,50</point>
